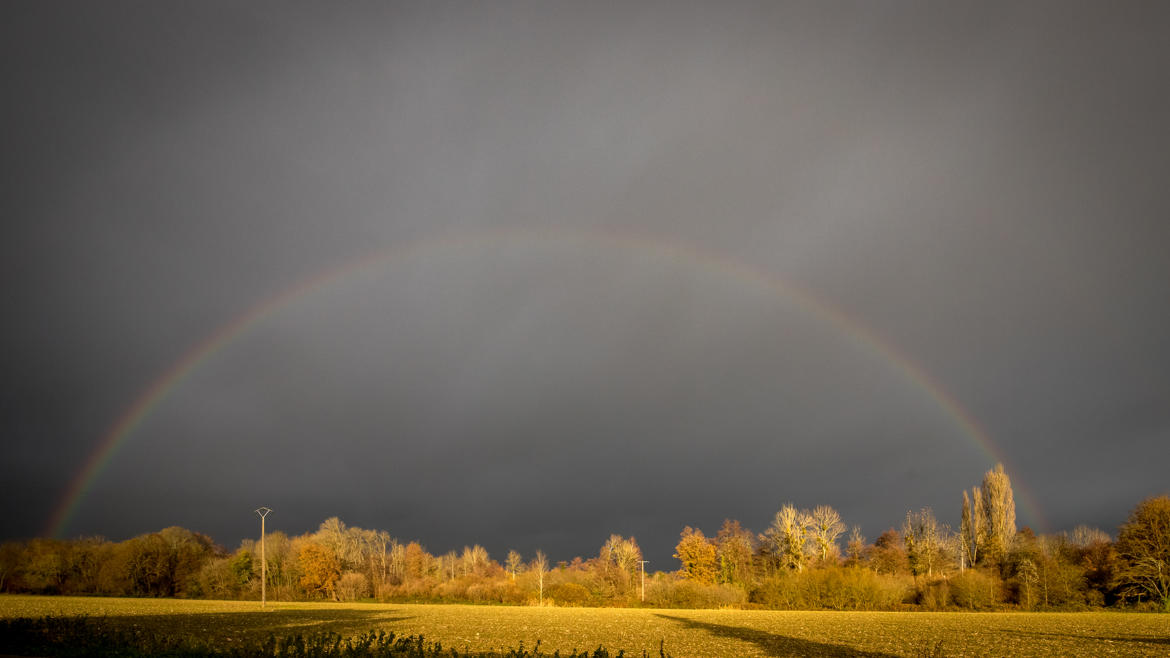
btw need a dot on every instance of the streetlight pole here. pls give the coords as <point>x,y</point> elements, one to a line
<point>644,580</point>
<point>263,512</point>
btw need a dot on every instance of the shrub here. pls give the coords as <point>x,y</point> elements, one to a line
<point>862,589</point>
<point>833,588</point>
<point>975,590</point>
<point>670,593</point>
<point>352,586</point>
<point>934,595</point>
<point>220,579</point>
<point>778,593</point>
<point>453,590</point>
<point>1063,585</point>
<point>511,594</point>
<point>569,594</point>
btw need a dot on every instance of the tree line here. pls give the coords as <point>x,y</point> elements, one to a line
<point>806,559</point>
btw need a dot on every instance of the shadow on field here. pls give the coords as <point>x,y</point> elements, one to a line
<point>778,645</point>
<point>1136,639</point>
<point>257,624</point>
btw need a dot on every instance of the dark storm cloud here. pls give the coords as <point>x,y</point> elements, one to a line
<point>981,185</point>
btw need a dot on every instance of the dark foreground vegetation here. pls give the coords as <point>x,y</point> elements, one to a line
<point>82,637</point>
<point>797,563</point>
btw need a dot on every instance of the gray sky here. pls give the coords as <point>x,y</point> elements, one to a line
<point>981,187</point>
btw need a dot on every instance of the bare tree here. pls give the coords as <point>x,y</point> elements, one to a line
<point>855,548</point>
<point>825,525</point>
<point>398,561</point>
<point>620,558</point>
<point>1029,576</point>
<point>514,563</point>
<point>281,570</point>
<point>1083,536</point>
<point>540,566</point>
<point>734,546</point>
<point>923,541</point>
<point>354,548</point>
<point>789,535</point>
<point>331,535</point>
<point>449,565</point>
<point>473,560</point>
<point>380,543</point>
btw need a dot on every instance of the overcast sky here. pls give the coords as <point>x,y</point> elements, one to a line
<point>595,215</point>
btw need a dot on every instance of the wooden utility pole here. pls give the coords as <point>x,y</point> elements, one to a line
<point>644,580</point>
<point>263,512</point>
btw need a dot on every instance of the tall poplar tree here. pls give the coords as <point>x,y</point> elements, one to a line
<point>971,527</point>
<point>1000,509</point>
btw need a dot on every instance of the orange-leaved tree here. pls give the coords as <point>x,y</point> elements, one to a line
<point>320,569</point>
<point>697,555</point>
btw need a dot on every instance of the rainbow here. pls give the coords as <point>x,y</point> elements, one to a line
<point>116,436</point>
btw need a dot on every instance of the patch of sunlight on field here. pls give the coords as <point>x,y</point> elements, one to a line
<point>686,632</point>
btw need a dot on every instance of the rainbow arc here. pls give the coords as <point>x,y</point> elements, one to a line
<point>477,241</point>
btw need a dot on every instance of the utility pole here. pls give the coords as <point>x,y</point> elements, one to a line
<point>263,512</point>
<point>644,580</point>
